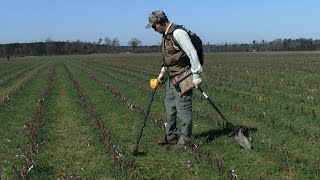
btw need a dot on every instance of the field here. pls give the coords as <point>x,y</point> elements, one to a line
<point>78,117</point>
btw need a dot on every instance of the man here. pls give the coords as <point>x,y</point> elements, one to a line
<point>179,55</point>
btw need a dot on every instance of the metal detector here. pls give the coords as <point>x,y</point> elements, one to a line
<point>135,150</point>
<point>236,130</point>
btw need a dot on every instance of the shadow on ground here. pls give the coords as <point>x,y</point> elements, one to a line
<point>230,132</point>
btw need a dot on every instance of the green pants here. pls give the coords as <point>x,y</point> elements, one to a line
<point>181,106</point>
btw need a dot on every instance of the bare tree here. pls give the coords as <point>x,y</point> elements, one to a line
<point>262,45</point>
<point>107,41</point>
<point>134,42</point>
<point>254,45</point>
<point>115,43</point>
<point>100,41</point>
<point>277,44</point>
<point>49,46</point>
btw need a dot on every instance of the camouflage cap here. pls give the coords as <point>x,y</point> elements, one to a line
<point>155,16</point>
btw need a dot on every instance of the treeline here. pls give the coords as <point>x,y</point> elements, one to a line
<point>301,44</point>
<point>134,45</point>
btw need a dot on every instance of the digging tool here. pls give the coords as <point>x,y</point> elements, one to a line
<point>236,130</point>
<point>154,87</point>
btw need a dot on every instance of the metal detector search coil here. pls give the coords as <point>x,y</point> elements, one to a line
<point>237,131</point>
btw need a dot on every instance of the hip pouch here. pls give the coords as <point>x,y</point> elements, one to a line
<point>183,82</point>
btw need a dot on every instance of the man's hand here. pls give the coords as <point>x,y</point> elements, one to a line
<point>161,74</point>
<point>160,79</point>
<point>196,80</point>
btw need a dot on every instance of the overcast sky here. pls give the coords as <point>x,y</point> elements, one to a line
<point>215,21</point>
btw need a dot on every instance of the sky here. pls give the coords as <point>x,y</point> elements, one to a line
<point>215,21</point>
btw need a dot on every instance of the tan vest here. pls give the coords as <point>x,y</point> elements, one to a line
<point>176,60</point>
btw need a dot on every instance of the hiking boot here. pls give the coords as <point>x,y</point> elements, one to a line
<point>184,140</point>
<point>169,139</point>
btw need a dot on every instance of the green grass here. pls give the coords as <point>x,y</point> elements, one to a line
<point>14,117</point>
<point>275,94</point>
<point>69,141</point>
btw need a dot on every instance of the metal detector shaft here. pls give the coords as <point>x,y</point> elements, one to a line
<point>144,122</point>
<point>214,106</point>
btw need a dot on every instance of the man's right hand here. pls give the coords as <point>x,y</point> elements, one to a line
<point>161,74</point>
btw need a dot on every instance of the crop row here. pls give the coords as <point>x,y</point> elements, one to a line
<point>113,91</point>
<point>9,68</point>
<point>158,122</point>
<point>6,96</point>
<point>105,134</point>
<point>14,67</point>
<point>31,148</point>
<point>200,155</point>
<point>16,115</point>
<point>263,113</point>
<point>117,76</point>
<point>258,113</point>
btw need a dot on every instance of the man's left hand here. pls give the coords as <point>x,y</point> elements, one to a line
<point>197,82</point>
